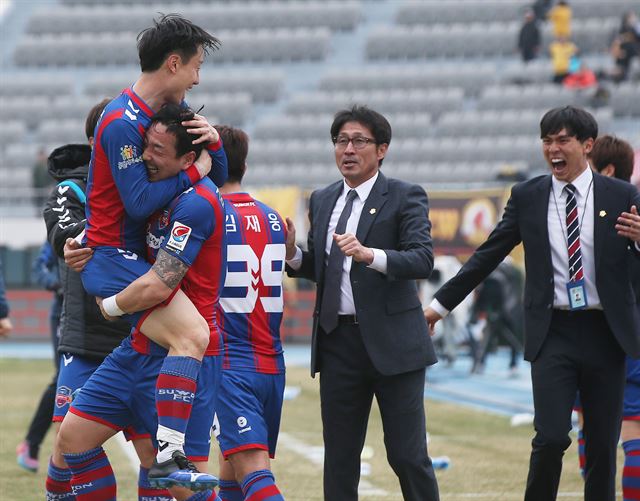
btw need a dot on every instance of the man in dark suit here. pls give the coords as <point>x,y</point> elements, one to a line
<point>578,230</point>
<point>369,240</point>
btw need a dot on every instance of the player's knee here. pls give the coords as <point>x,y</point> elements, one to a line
<point>64,440</point>
<point>195,340</point>
<point>402,461</point>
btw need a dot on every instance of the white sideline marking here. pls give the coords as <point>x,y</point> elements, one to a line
<point>129,451</point>
<point>316,456</point>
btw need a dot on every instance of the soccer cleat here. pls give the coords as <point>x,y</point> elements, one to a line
<point>23,458</point>
<point>179,471</point>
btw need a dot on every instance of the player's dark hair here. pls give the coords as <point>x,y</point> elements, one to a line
<point>94,116</point>
<point>378,125</point>
<point>576,121</point>
<point>236,147</point>
<point>617,152</point>
<point>172,33</point>
<point>172,116</point>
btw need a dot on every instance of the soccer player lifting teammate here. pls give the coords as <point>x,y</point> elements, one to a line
<point>120,198</point>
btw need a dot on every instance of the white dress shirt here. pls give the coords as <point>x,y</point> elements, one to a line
<point>379,263</point>
<point>557,225</point>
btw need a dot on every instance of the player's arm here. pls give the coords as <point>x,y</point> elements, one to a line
<point>64,217</point>
<point>152,288</point>
<point>195,217</point>
<point>123,146</point>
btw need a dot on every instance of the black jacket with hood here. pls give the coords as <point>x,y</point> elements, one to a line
<point>83,329</point>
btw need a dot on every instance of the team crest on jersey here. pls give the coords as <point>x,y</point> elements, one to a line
<point>179,236</point>
<point>129,155</point>
<point>63,396</point>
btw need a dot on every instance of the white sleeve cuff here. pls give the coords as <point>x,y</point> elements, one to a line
<point>296,261</point>
<point>379,262</point>
<point>637,244</point>
<point>438,308</point>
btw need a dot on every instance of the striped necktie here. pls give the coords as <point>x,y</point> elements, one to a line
<point>573,235</point>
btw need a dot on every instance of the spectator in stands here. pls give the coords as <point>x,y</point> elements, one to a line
<point>46,273</point>
<point>626,46</point>
<point>540,9</point>
<point>561,51</point>
<point>369,337</point>
<point>5,322</point>
<point>41,181</point>
<point>583,78</point>
<point>560,17</point>
<point>529,38</point>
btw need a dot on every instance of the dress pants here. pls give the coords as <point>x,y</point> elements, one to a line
<point>348,382</point>
<point>580,353</point>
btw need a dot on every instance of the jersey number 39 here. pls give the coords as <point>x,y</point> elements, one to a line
<point>245,279</point>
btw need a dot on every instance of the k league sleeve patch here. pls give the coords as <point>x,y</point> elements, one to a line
<point>179,236</point>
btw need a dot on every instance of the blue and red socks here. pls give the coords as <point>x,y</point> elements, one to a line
<point>58,484</point>
<point>261,486</point>
<point>175,391</point>
<point>581,456</point>
<point>631,470</point>
<point>92,478</point>
<point>230,491</point>
<point>148,493</point>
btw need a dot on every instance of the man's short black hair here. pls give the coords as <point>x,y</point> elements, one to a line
<point>172,116</point>
<point>236,147</point>
<point>172,33</point>
<point>93,116</point>
<point>378,125</point>
<point>576,121</point>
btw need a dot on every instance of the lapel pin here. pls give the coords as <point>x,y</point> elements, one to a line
<point>372,211</point>
<point>603,213</point>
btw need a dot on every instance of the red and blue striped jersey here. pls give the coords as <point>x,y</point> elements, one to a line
<point>252,298</point>
<point>120,196</point>
<point>191,228</point>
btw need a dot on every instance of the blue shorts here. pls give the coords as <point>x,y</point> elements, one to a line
<point>110,270</point>
<point>75,370</point>
<point>122,389</point>
<point>248,411</point>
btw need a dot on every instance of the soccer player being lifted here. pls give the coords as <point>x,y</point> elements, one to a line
<point>120,198</point>
<point>186,242</point>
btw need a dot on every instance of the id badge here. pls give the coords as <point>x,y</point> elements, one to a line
<point>577,295</point>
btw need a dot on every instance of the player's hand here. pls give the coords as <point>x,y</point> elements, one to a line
<point>75,256</point>
<point>203,164</point>
<point>200,126</point>
<point>351,246</point>
<point>104,314</point>
<point>629,224</point>
<point>5,327</point>
<point>290,243</point>
<point>432,317</point>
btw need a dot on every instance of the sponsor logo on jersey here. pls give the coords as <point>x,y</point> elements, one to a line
<point>63,396</point>
<point>179,236</point>
<point>154,242</point>
<point>129,155</point>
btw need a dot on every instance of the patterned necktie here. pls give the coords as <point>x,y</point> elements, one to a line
<point>333,274</point>
<point>573,235</point>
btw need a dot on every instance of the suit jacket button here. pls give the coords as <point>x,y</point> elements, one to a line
<point>549,306</point>
<point>551,280</point>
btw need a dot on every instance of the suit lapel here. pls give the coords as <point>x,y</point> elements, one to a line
<point>322,224</point>
<point>541,206</point>
<point>372,206</point>
<point>599,223</point>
